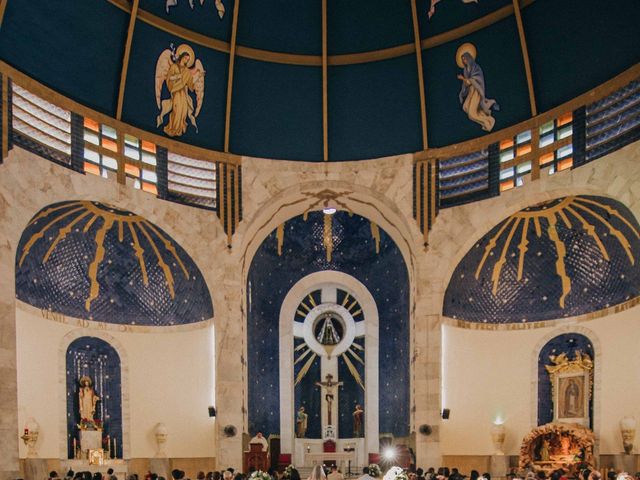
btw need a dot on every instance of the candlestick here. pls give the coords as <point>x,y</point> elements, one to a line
<point>115,448</point>
<point>75,446</point>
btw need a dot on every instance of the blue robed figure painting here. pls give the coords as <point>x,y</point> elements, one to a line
<point>472,93</point>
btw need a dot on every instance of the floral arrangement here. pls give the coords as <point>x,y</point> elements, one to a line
<point>287,471</point>
<point>374,470</point>
<point>260,475</point>
<point>396,473</point>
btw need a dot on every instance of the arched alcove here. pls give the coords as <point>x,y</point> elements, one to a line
<point>96,359</point>
<point>300,248</point>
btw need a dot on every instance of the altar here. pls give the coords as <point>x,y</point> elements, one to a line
<point>309,452</point>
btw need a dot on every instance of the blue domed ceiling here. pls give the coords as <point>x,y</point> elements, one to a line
<point>92,261</point>
<point>565,257</point>
<point>373,90</point>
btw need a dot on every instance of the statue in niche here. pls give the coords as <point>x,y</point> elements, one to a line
<point>301,423</point>
<point>544,450</point>
<point>358,421</point>
<point>472,93</point>
<point>87,401</point>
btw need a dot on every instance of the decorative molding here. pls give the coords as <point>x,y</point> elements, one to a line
<point>525,57</point>
<point>418,50</point>
<point>125,59</point>
<point>232,58</point>
<point>621,307</point>
<point>92,325</point>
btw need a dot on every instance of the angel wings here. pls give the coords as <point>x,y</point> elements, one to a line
<point>183,75</point>
<point>218,3</point>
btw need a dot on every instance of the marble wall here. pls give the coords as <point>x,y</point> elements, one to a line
<point>275,192</point>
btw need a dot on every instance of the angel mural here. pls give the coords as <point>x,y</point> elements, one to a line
<point>472,93</point>
<point>183,75</point>
<point>432,8</point>
<point>218,3</point>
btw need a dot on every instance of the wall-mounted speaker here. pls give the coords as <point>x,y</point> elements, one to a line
<point>212,411</point>
<point>425,430</point>
<point>445,413</point>
<point>230,431</point>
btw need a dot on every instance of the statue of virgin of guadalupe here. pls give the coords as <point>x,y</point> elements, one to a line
<point>87,399</point>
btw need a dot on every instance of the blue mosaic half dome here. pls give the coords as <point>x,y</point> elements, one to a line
<point>561,258</point>
<point>92,261</point>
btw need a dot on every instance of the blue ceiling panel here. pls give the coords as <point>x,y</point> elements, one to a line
<point>276,111</point>
<point>591,43</point>
<point>281,26</point>
<point>553,260</point>
<point>374,109</point>
<point>75,48</point>
<point>140,108</point>
<point>363,25</point>
<point>450,14</point>
<point>500,57</point>
<point>198,15</point>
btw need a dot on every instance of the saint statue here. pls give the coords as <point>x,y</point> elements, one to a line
<point>358,417</point>
<point>472,92</point>
<point>87,399</point>
<point>330,387</point>
<point>301,423</point>
<point>544,450</point>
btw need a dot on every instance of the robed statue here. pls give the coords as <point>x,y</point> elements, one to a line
<point>301,423</point>
<point>358,417</point>
<point>87,399</point>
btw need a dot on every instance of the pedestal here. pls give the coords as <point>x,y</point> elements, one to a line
<point>90,440</point>
<point>626,463</point>
<point>35,469</point>
<point>499,466</point>
<point>161,467</point>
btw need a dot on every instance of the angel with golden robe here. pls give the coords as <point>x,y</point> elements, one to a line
<point>183,75</point>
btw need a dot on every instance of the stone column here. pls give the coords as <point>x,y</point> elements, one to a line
<point>9,466</point>
<point>230,367</point>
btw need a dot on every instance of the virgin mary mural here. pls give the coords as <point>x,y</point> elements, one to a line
<point>472,93</point>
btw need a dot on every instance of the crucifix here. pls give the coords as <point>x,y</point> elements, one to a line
<point>330,387</point>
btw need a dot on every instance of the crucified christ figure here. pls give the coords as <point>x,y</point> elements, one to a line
<point>330,386</point>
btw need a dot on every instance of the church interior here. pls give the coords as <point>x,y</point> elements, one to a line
<point>266,235</point>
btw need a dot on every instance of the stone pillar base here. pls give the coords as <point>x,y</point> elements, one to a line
<point>626,463</point>
<point>35,469</point>
<point>499,466</point>
<point>160,466</point>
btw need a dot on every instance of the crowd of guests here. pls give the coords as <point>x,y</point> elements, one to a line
<point>71,475</point>
<point>332,473</point>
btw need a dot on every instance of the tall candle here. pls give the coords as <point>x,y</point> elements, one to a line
<point>115,448</point>
<point>75,446</point>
